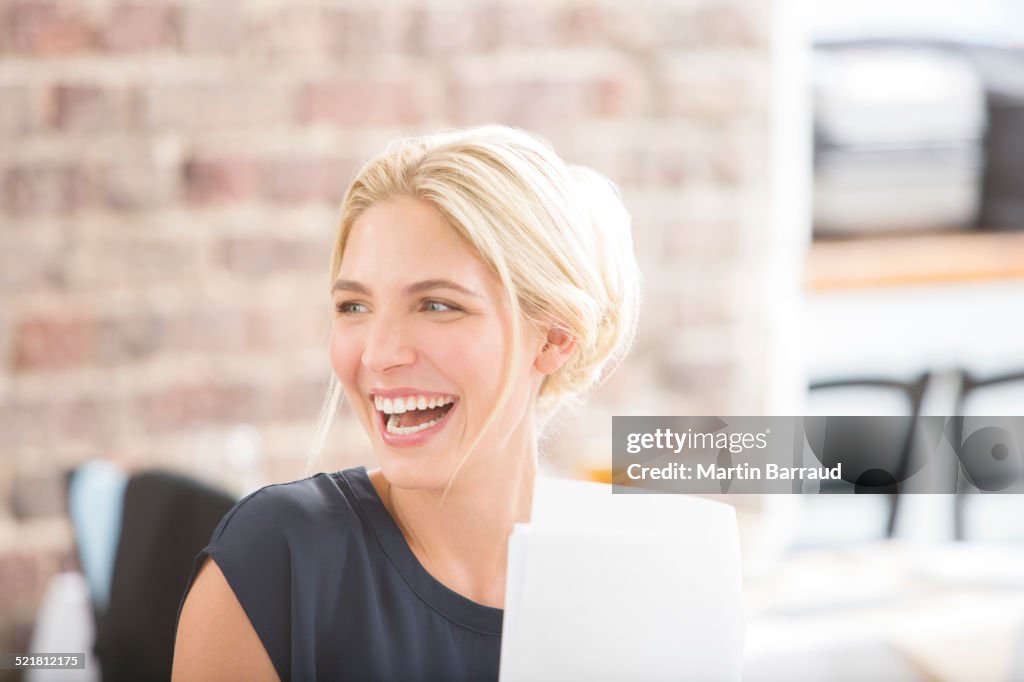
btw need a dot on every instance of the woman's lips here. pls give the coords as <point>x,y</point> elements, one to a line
<point>411,439</point>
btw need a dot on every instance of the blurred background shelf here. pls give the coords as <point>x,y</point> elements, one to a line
<point>887,261</point>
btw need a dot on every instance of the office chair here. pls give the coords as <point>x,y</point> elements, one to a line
<point>137,536</point>
<point>969,386</point>
<point>913,391</point>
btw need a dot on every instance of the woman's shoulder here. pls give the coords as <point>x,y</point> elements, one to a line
<point>280,545</point>
<point>296,511</point>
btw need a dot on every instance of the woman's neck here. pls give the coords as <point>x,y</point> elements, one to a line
<point>461,537</point>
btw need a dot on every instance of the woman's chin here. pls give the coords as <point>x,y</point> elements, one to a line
<point>409,474</point>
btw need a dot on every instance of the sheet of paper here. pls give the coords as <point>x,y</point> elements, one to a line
<point>611,587</point>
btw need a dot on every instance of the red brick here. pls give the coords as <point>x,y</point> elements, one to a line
<point>713,383</point>
<point>210,181</point>
<point>299,179</point>
<point>508,27</point>
<point>91,108</point>
<point>194,405</point>
<point>5,343</point>
<point>218,403</point>
<point>261,256</point>
<point>672,25</point>
<point>26,424</point>
<point>30,262</point>
<point>516,29</point>
<point>299,400</point>
<point>502,27</point>
<point>302,30</point>
<point>360,31</point>
<point>16,630</point>
<point>140,183</point>
<point>23,110</point>
<point>454,28</point>
<point>213,105</point>
<point>696,240</point>
<point>741,158</point>
<point>722,88</point>
<point>582,24</point>
<point>296,327</point>
<point>629,30</point>
<point>44,189</point>
<point>140,26</point>
<point>214,26</point>
<point>126,339</point>
<point>616,97</point>
<point>670,166</point>
<point>42,27</point>
<point>39,496</point>
<point>739,23</point>
<point>53,342</point>
<point>130,260</point>
<point>365,101</point>
<point>209,327</point>
<point>702,301</point>
<point>543,101</point>
<point>23,578</point>
<point>697,157</point>
<point>89,421</point>
<point>713,24</point>
<point>713,307</point>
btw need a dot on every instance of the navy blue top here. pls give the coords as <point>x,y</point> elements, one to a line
<point>335,593</point>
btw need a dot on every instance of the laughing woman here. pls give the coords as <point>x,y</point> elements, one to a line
<point>480,284</point>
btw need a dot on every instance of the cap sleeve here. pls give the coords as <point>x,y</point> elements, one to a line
<point>252,551</point>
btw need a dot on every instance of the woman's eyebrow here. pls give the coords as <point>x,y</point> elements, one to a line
<point>428,284</point>
<point>349,285</point>
<point>416,288</point>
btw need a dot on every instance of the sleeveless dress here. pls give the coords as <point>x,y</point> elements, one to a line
<point>335,593</point>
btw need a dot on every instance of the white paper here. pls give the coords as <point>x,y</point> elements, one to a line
<point>611,587</point>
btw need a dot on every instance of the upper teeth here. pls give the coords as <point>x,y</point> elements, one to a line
<point>412,402</point>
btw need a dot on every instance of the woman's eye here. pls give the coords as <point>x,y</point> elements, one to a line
<point>438,307</point>
<point>349,307</point>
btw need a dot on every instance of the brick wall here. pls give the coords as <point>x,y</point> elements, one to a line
<point>169,176</point>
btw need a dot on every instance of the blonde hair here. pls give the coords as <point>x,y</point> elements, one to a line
<point>557,236</point>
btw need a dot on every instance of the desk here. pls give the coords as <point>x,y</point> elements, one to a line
<point>888,611</point>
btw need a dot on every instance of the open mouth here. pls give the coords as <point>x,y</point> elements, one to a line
<point>406,416</point>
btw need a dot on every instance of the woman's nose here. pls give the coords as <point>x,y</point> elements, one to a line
<point>388,345</point>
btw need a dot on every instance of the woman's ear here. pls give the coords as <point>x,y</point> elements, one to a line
<point>557,349</point>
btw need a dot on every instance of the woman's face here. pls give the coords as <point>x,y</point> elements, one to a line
<point>419,342</point>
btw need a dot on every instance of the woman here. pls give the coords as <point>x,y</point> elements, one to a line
<point>480,284</point>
